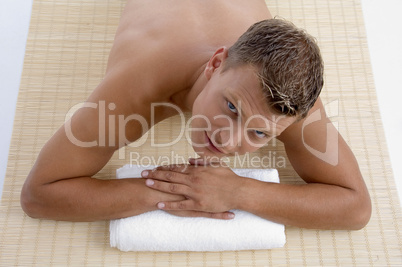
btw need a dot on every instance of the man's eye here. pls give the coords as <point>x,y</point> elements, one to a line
<point>260,134</point>
<point>232,108</point>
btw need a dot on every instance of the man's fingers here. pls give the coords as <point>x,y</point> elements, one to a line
<point>182,168</point>
<point>191,213</point>
<point>198,161</point>
<point>177,205</point>
<point>165,175</point>
<point>172,188</point>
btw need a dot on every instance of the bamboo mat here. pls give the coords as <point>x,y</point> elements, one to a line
<point>67,50</point>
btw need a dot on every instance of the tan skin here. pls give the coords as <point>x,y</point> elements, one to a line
<point>184,68</point>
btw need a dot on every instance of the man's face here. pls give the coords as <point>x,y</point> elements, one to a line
<point>231,116</point>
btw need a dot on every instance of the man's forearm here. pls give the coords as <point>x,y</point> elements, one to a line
<point>87,199</point>
<point>318,206</point>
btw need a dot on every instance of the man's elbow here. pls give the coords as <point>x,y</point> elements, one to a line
<point>29,201</point>
<point>361,213</point>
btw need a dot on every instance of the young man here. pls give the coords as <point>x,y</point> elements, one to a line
<point>265,85</point>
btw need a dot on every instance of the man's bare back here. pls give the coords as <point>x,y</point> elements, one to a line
<point>164,29</point>
<point>167,51</point>
<point>172,45</point>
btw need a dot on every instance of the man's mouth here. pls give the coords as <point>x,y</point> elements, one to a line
<point>211,145</point>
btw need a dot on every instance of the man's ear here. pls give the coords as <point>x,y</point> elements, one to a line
<point>216,62</point>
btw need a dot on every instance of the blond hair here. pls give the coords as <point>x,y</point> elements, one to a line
<point>289,63</point>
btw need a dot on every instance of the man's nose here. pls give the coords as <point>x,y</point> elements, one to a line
<point>227,139</point>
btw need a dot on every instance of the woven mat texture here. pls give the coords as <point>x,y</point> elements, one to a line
<point>66,56</point>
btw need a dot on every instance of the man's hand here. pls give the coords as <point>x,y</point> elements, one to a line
<point>210,189</point>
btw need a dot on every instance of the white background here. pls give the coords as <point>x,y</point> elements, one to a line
<point>384,33</point>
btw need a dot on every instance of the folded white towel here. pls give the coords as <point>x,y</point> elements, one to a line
<point>161,231</point>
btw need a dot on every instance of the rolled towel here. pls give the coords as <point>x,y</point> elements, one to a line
<point>161,231</point>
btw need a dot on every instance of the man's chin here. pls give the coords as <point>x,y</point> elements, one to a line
<point>204,152</point>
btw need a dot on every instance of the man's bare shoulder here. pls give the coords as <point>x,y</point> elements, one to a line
<point>315,146</point>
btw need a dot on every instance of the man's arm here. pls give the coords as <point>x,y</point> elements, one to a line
<point>335,196</point>
<point>60,186</point>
